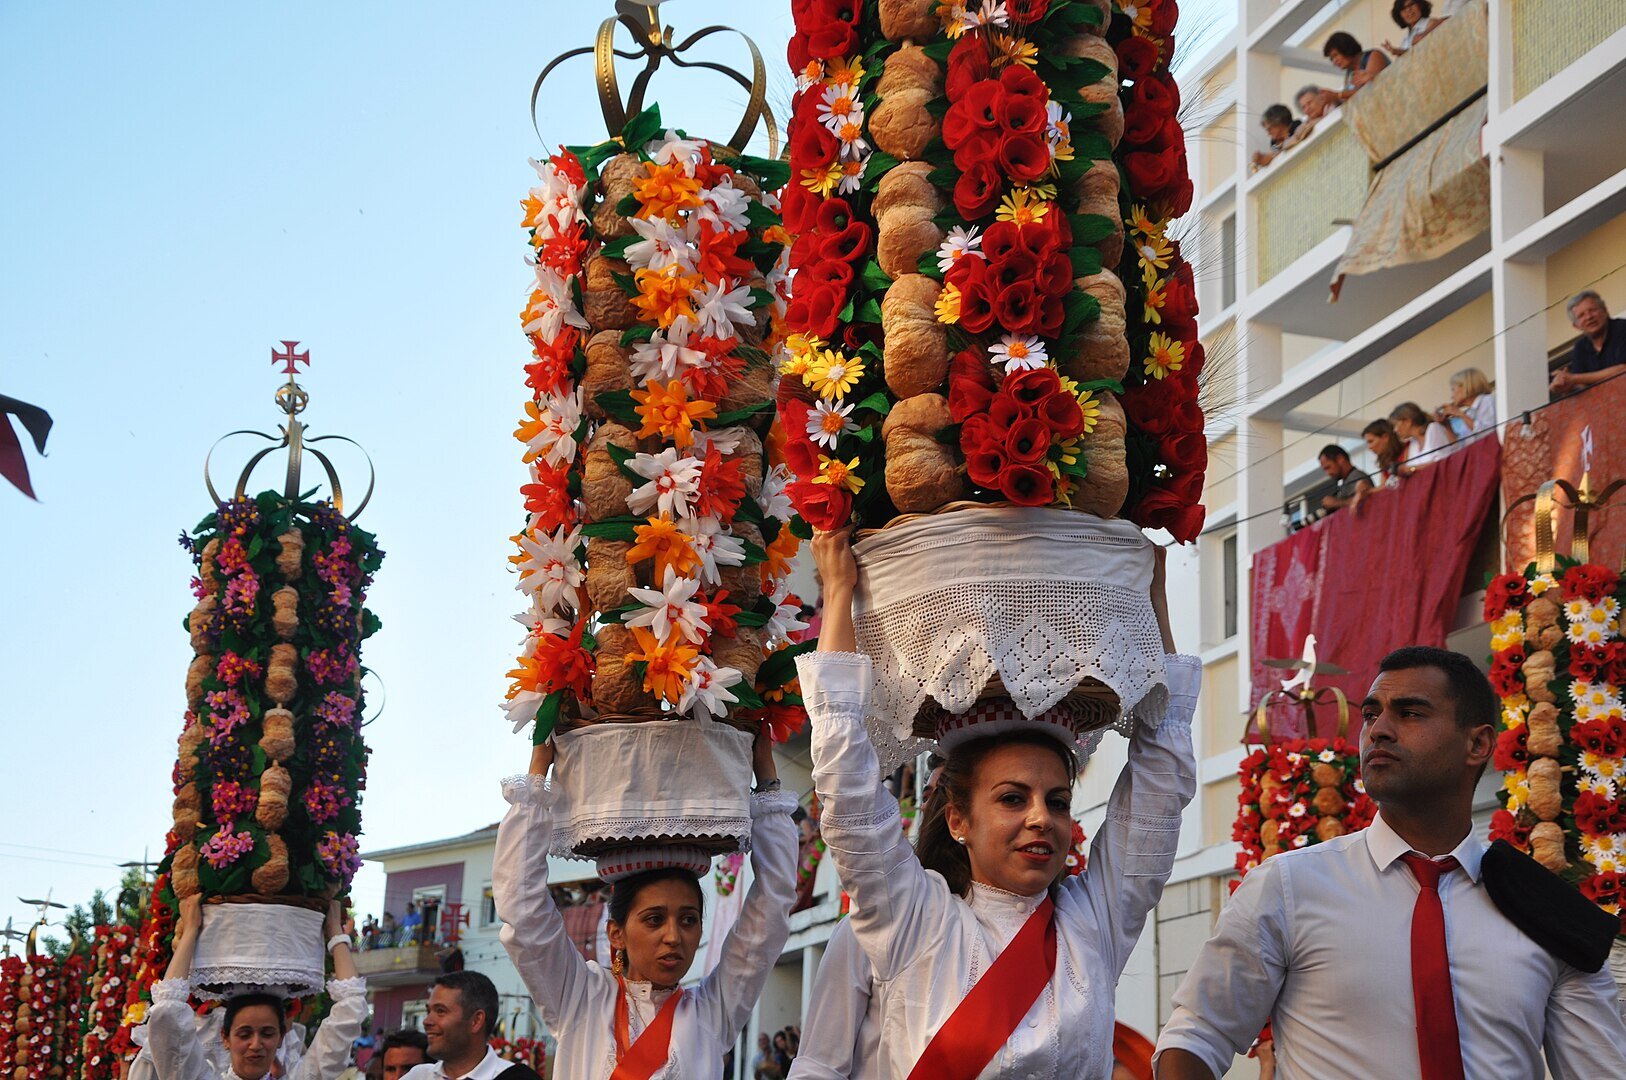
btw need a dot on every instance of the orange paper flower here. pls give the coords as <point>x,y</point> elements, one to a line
<point>664,295</point>
<point>780,552</point>
<point>666,665</point>
<point>667,190</point>
<point>662,541</point>
<point>668,412</point>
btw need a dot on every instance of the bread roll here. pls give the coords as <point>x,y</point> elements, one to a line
<point>1543,739</point>
<point>1105,487</point>
<point>1539,671</point>
<point>905,19</point>
<point>608,369</point>
<point>616,179</point>
<point>917,351</point>
<point>604,303</point>
<point>901,124</point>
<point>905,205</point>
<point>1100,350</point>
<point>742,652</point>
<point>608,576</point>
<point>1547,846</point>
<point>604,486</point>
<point>1546,796</point>
<point>1097,192</point>
<point>1104,91</point>
<point>744,583</point>
<point>921,472</point>
<point>616,689</point>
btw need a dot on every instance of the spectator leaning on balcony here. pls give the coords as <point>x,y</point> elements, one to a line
<point>1472,409</point>
<point>1313,104</point>
<point>1283,131</point>
<point>1599,351</point>
<point>1414,17</point>
<point>1387,447</point>
<point>1424,437</point>
<point>1351,483</point>
<point>1360,66</point>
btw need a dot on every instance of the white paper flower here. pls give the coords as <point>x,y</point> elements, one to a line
<point>666,356</point>
<point>555,437</point>
<point>521,708</point>
<point>1058,124</point>
<point>538,622</point>
<point>726,440</point>
<point>672,480</point>
<point>785,620</point>
<point>674,147</point>
<point>990,13</point>
<point>1019,352</point>
<point>828,422</point>
<point>720,308</point>
<point>725,206</point>
<point>662,245</point>
<point>671,608</point>
<point>840,107</point>
<point>549,571</point>
<point>773,500</point>
<point>714,546</point>
<point>959,243</point>
<point>706,694</point>
<point>551,307</point>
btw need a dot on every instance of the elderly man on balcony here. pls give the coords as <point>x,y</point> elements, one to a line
<point>1599,351</point>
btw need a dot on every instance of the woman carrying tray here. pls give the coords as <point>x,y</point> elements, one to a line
<point>255,1023</point>
<point>996,964</point>
<point>634,1022</point>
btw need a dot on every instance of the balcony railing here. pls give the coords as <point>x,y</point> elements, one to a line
<point>398,966</point>
<point>1550,35</point>
<point>1307,194</point>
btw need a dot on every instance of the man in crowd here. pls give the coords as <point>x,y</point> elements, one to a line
<point>1599,351</point>
<point>402,1051</point>
<point>1346,945</point>
<point>460,1020</point>
<point>1350,483</point>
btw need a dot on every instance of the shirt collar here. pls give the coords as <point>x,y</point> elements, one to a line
<point>991,899</point>
<point>1386,847</point>
<point>490,1066</point>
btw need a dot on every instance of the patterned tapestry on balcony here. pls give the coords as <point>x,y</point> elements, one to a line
<point>1432,196</point>
<point>1368,580</point>
<point>1582,433</point>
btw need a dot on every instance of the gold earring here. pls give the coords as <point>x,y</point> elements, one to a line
<point>615,962</point>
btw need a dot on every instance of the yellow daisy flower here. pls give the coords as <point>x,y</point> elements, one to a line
<point>833,374</point>
<point>1022,206</point>
<point>838,473</point>
<point>1167,355</point>
<point>948,304</point>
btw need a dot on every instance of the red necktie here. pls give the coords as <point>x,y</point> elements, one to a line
<point>1439,1048</point>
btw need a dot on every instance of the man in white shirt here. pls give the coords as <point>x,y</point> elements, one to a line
<point>1369,950</point>
<point>460,1020</point>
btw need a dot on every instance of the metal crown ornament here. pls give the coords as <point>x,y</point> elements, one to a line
<point>292,399</point>
<point>654,45</point>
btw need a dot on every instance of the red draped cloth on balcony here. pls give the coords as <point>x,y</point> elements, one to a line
<point>1551,446</point>
<point>1370,581</point>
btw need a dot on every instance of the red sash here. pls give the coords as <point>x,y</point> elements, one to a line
<point>640,1060</point>
<point>984,1020</point>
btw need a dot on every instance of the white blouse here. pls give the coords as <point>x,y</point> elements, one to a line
<point>842,1032</point>
<point>577,996</point>
<point>928,946</point>
<point>175,1040</point>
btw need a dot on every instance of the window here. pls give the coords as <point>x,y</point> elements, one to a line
<point>1228,571</point>
<point>1228,261</point>
<point>488,907</point>
<point>428,901</point>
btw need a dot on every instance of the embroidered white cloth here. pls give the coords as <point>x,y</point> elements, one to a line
<point>842,1033</point>
<point>176,1050</point>
<point>622,783</point>
<point>577,997</point>
<point>1044,598</point>
<point>270,948</point>
<point>929,946</point>
<point>1319,941</point>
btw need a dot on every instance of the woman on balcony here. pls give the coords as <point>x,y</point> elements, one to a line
<point>1424,438</point>
<point>1387,447</point>
<point>1472,409</point>
<point>1415,18</point>
<point>1360,66</point>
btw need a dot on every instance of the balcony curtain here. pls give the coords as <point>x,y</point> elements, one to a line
<point>1434,196</point>
<point>1369,581</point>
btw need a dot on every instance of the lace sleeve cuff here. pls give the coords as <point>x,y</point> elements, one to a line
<point>834,680</point>
<point>526,789</point>
<point>340,989</point>
<point>764,803</point>
<point>171,990</point>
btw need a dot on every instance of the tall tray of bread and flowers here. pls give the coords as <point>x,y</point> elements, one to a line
<point>994,360</point>
<point>271,762</point>
<point>657,539</point>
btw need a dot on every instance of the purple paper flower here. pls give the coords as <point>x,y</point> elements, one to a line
<point>231,799</point>
<point>340,855</point>
<point>324,801</point>
<point>337,709</point>
<point>226,846</point>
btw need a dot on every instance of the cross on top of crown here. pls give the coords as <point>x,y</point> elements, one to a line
<point>288,358</point>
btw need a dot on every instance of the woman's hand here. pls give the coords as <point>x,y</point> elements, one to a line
<point>1160,596</point>
<point>762,762</point>
<point>541,758</point>
<point>191,917</point>
<point>833,558</point>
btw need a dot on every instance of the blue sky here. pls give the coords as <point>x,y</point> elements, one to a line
<point>184,185</point>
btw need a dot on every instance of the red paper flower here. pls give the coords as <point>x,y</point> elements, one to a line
<point>1507,671</point>
<point>1161,508</point>
<point>1598,815</point>
<point>1511,751</point>
<point>968,64</point>
<point>1590,582</point>
<point>1138,57</point>
<point>1027,485</point>
<point>1505,591</point>
<point>824,506</point>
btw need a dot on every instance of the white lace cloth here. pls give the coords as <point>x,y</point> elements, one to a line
<point>269,948</point>
<point>659,779</point>
<point>1043,598</point>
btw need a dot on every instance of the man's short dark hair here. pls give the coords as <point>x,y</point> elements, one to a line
<point>1344,44</point>
<point>1334,452</point>
<point>475,992</point>
<point>1471,693</point>
<point>1279,114</point>
<point>403,1039</point>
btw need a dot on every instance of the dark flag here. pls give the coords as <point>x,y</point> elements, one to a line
<point>37,422</point>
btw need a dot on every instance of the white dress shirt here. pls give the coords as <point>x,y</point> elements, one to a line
<point>577,996</point>
<point>842,1031</point>
<point>928,946</point>
<point>490,1067</point>
<point>176,1047</point>
<point>1319,941</point>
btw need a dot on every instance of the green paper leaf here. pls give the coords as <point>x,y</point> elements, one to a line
<point>928,265</point>
<point>1116,386</point>
<point>734,416</point>
<point>865,434</point>
<point>869,313</point>
<point>1091,228</point>
<point>1081,308</point>
<point>752,618</point>
<point>780,668</point>
<point>759,216</point>
<point>879,162</point>
<point>620,528</point>
<point>800,529</point>
<point>761,298</point>
<point>846,313</point>
<point>938,107</point>
<point>939,50</point>
<point>619,405</point>
<point>642,128</point>
<point>749,699</point>
<point>617,248</point>
<point>628,206</point>
<point>944,177</point>
<point>880,402</point>
<point>753,554</point>
<point>1092,145</point>
<point>1086,261</point>
<point>771,173</point>
<point>625,282</point>
<point>874,278</point>
<point>547,716</point>
<point>633,335</point>
<point>623,458</point>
